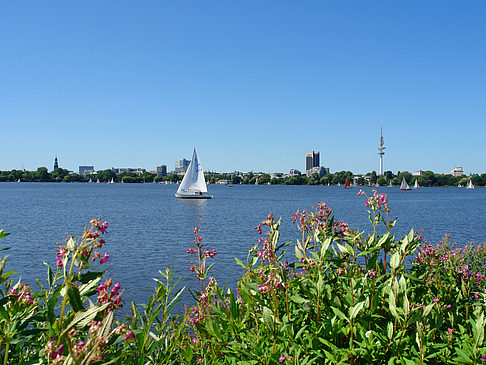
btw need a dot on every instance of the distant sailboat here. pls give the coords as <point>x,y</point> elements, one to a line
<point>404,185</point>
<point>193,185</point>
<point>112,182</point>
<point>18,180</point>
<point>459,185</point>
<point>90,181</point>
<point>369,182</point>
<point>97,181</point>
<point>416,185</point>
<point>338,184</point>
<point>347,185</point>
<point>469,185</point>
<point>390,184</point>
<point>377,185</point>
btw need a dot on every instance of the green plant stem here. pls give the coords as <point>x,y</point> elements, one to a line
<point>5,359</point>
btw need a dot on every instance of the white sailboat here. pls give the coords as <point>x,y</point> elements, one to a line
<point>416,185</point>
<point>469,185</point>
<point>193,185</point>
<point>459,185</point>
<point>90,181</point>
<point>404,185</point>
<point>112,182</point>
<point>390,184</point>
<point>97,181</point>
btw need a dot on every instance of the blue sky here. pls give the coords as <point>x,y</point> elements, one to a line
<point>251,84</point>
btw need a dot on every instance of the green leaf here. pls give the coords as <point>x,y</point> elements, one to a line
<point>298,299</point>
<point>268,318</point>
<point>392,304</point>
<point>325,245</point>
<point>428,308</point>
<point>240,263</point>
<point>340,314</point>
<point>390,330</point>
<point>353,311</point>
<point>395,260</point>
<point>71,244</point>
<point>74,298</point>
<point>298,253</point>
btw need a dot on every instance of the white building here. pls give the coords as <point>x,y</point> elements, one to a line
<point>457,171</point>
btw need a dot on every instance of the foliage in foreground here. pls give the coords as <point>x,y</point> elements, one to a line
<point>348,297</point>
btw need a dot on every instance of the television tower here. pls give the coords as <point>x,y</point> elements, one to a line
<point>380,150</point>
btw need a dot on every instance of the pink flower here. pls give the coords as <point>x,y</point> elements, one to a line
<point>282,359</point>
<point>129,336</point>
<point>105,258</point>
<point>449,331</point>
<point>102,227</point>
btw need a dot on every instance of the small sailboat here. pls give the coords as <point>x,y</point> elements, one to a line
<point>338,184</point>
<point>97,181</point>
<point>416,185</point>
<point>112,182</point>
<point>90,181</point>
<point>377,185</point>
<point>193,185</point>
<point>459,186</point>
<point>369,182</point>
<point>390,184</point>
<point>404,185</point>
<point>347,185</point>
<point>18,180</point>
<point>469,185</point>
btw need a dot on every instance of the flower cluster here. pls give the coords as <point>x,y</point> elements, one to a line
<point>377,201</point>
<point>21,293</point>
<point>54,353</point>
<point>113,296</point>
<point>86,247</point>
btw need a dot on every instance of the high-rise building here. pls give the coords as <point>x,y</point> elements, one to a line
<point>162,170</point>
<point>56,164</point>
<point>85,170</point>
<point>311,160</point>
<point>380,150</point>
<point>181,165</point>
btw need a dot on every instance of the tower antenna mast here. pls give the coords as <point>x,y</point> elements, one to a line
<point>380,149</point>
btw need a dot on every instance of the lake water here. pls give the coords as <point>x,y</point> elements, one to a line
<point>149,229</point>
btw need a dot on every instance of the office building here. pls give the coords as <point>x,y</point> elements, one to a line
<point>311,160</point>
<point>162,170</point>
<point>86,170</point>
<point>181,165</point>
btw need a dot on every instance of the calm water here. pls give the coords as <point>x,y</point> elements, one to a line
<point>149,229</point>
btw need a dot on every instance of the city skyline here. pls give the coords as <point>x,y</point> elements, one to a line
<point>250,85</point>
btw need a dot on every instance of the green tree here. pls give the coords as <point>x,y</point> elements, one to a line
<point>264,179</point>
<point>42,174</point>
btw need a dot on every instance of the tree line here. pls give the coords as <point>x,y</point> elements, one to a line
<point>428,178</point>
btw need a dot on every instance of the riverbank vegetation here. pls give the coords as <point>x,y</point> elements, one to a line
<point>427,179</point>
<point>337,295</point>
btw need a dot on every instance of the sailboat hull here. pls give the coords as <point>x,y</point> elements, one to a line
<point>193,196</point>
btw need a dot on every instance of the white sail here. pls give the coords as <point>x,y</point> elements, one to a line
<point>470,185</point>
<point>390,184</point>
<point>416,186</point>
<point>193,182</point>
<point>404,185</point>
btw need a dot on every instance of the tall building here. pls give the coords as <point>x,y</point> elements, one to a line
<point>85,170</point>
<point>56,164</point>
<point>380,150</point>
<point>311,160</point>
<point>457,171</point>
<point>162,170</point>
<point>181,165</point>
